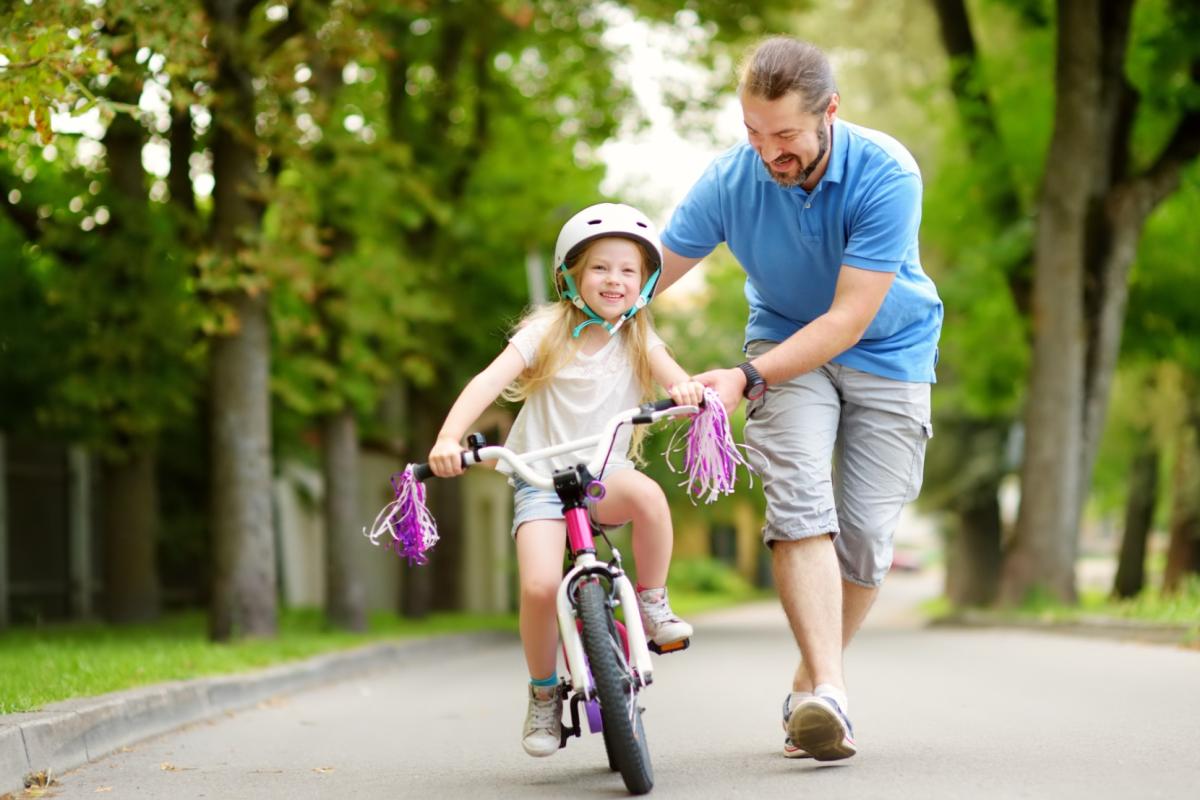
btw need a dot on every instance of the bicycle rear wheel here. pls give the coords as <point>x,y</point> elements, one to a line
<point>624,736</point>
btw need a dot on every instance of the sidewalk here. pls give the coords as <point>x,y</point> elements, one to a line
<point>65,735</point>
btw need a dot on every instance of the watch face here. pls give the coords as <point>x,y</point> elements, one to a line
<point>756,390</point>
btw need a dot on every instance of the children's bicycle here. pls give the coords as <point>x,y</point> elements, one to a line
<point>608,662</point>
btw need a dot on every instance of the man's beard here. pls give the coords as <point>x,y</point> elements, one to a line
<point>787,181</point>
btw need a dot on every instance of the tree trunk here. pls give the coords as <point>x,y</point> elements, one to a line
<point>244,576</point>
<point>130,524</point>
<point>973,571</point>
<point>130,514</point>
<point>1042,554</point>
<point>418,587</point>
<point>1183,549</point>
<point>244,571</point>
<point>1139,516</point>
<point>345,595</point>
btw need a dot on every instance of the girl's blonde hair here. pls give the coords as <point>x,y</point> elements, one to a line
<point>558,347</point>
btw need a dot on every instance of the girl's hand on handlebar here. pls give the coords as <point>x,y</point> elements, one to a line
<point>687,393</point>
<point>445,459</point>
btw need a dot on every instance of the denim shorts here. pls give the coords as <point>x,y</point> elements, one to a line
<point>530,503</point>
<point>845,451</point>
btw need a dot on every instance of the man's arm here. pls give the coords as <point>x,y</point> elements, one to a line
<point>674,267</point>
<point>856,300</point>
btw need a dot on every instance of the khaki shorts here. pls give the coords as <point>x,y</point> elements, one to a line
<point>845,451</point>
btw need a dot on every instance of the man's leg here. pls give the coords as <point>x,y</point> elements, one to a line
<point>808,577</point>
<point>810,589</point>
<point>856,602</point>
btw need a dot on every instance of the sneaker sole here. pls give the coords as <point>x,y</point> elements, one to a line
<point>816,729</point>
<point>795,752</point>
<point>539,753</point>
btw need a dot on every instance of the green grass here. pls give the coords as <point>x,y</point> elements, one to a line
<point>1180,608</point>
<point>45,664</point>
<point>50,663</point>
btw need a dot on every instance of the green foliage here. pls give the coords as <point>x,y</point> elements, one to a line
<point>707,576</point>
<point>103,322</point>
<point>1161,322</point>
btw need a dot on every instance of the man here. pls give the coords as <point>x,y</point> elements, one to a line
<point>841,346</point>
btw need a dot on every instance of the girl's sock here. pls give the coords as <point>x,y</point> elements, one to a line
<point>651,594</point>
<point>544,687</point>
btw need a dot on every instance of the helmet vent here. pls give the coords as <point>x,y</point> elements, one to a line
<point>641,224</point>
<point>595,221</point>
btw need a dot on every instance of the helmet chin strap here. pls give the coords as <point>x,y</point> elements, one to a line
<point>573,295</point>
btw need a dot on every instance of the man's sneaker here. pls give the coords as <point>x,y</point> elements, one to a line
<point>817,728</point>
<point>790,750</point>
<point>542,735</point>
<point>665,631</point>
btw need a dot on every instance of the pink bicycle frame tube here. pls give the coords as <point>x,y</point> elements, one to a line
<point>579,530</point>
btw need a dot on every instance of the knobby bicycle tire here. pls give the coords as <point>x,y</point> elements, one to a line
<point>624,736</point>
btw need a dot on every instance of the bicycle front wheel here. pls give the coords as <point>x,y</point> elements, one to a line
<point>616,688</point>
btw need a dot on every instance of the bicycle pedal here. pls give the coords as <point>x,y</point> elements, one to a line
<point>671,647</point>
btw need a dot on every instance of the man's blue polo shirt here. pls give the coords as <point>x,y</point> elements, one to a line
<point>864,213</point>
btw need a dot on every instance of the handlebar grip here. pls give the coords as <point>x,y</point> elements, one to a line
<point>660,405</point>
<point>423,471</point>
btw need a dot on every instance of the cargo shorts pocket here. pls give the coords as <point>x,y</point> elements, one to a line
<point>917,473</point>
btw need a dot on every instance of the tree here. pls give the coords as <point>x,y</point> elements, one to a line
<point>1103,176</point>
<point>111,275</point>
<point>244,579</point>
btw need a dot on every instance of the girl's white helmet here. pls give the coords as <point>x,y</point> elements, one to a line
<point>608,219</point>
<point>599,222</point>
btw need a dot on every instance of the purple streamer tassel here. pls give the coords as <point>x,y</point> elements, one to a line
<point>712,456</point>
<point>407,520</point>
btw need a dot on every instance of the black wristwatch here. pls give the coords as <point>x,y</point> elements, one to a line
<point>755,385</point>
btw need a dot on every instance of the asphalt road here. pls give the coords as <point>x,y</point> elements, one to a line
<point>938,714</point>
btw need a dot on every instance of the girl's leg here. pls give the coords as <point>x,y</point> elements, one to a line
<point>632,496</point>
<point>540,545</point>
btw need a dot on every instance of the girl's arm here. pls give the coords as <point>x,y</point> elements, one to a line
<point>474,399</point>
<point>679,385</point>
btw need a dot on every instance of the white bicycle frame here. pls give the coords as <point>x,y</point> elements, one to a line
<point>639,653</point>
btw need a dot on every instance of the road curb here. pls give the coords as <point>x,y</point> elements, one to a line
<point>1131,630</point>
<point>71,733</point>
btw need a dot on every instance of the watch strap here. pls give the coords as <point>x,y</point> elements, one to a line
<point>755,385</point>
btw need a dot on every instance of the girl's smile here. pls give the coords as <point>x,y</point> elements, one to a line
<point>612,277</point>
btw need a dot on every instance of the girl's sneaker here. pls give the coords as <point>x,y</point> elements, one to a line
<point>665,631</point>
<point>542,734</point>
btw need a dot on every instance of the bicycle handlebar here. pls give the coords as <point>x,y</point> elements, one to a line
<point>644,414</point>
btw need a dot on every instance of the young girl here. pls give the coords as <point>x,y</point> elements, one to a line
<point>575,363</point>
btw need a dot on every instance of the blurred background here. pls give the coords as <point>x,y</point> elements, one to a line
<point>251,251</point>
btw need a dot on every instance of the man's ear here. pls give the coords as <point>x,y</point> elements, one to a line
<point>832,109</point>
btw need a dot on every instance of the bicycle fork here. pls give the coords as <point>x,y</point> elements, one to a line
<point>639,652</point>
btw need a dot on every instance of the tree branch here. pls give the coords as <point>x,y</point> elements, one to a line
<point>1162,177</point>
<point>276,37</point>
<point>982,134</point>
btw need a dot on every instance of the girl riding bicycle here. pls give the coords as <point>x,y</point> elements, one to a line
<point>575,363</point>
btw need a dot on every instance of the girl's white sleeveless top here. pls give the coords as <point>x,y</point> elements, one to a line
<point>577,401</point>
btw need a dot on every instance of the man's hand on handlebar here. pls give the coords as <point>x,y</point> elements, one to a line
<point>687,393</point>
<point>728,383</point>
<point>445,459</point>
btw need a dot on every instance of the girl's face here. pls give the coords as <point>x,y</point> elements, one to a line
<point>611,277</point>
